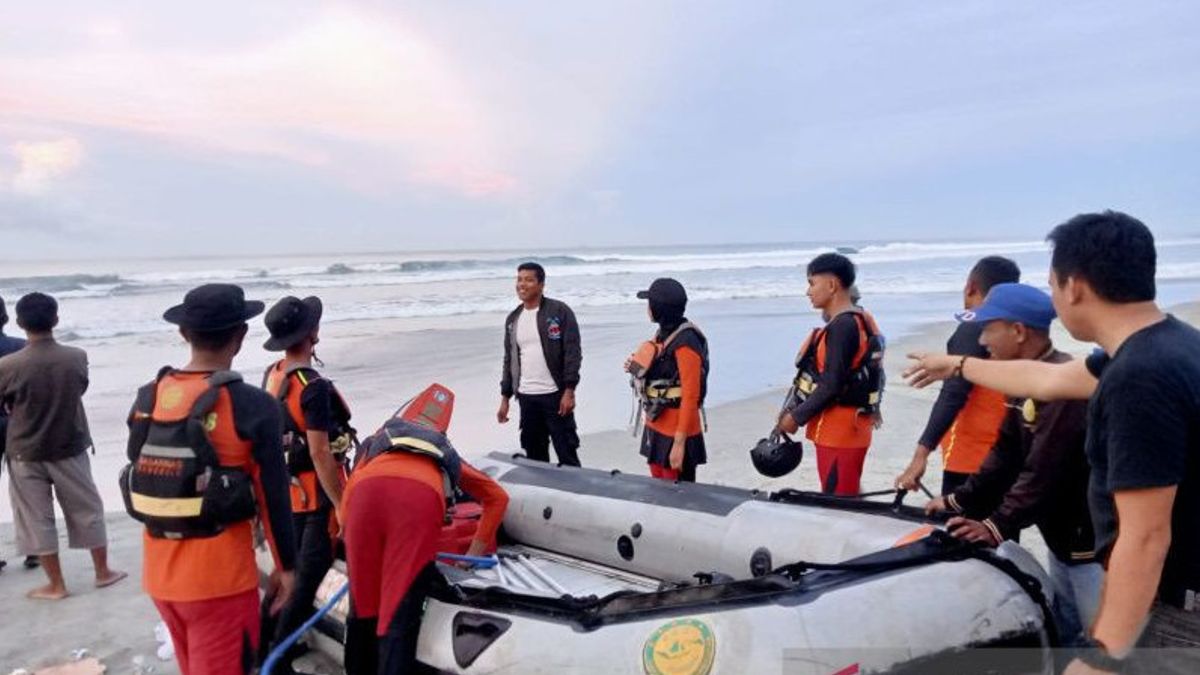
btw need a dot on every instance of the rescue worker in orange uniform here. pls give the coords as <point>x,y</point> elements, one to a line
<point>317,435</point>
<point>394,505</point>
<point>206,461</point>
<point>840,378</point>
<point>671,374</point>
<point>965,420</point>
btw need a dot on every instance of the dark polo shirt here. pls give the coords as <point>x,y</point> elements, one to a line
<point>43,385</point>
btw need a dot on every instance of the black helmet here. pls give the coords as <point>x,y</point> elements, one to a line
<point>776,456</point>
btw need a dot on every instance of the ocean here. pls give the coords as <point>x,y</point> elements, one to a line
<point>394,322</point>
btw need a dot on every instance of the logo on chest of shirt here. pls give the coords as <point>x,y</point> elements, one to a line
<point>553,328</point>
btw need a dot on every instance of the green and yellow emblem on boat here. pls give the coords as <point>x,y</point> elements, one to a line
<point>681,647</point>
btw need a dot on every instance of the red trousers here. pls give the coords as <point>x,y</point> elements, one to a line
<point>665,473</point>
<point>213,637</point>
<point>391,532</point>
<point>840,469</point>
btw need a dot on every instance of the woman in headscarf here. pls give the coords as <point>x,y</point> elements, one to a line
<point>672,376</point>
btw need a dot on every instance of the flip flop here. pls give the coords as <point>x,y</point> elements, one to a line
<point>111,580</point>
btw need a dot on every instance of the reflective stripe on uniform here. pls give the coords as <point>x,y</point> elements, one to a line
<point>170,451</point>
<point>166,508</point>
<point>417,444</point>
<point>805,384</point>
<point>670,393</point>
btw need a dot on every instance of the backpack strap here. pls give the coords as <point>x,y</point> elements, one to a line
<point>141,416</point>
<point>198,419</point>
<point>686,325</point>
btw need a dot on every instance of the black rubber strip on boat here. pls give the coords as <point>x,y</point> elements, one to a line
<point>789,585</point>
<point>718,500</point>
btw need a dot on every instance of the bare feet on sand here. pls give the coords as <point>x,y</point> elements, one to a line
<point>112,577</point>
<point>47,592</point>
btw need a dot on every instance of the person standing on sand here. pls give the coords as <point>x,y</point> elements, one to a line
<point>674,380</point>
<point>198,558</point>
<point>1037,472</point>
<point>542,355</point>
<point>834,360</point>
<point>46,446</point>
<point>9,345</point>
<point>317,435</point>
<point>1143,438</point>
<point>965,419</point>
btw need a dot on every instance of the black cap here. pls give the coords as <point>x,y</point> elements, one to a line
<point>665,291</point>
<point>291,320</point>
<point>213,307</point>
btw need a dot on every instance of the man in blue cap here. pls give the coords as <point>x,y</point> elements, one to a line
<point>1143,437</point>
<point>1037,472</point>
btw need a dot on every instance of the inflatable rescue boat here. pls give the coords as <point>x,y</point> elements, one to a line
<point>603,572</point>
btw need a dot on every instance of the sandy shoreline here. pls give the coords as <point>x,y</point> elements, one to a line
<point>116,624</point>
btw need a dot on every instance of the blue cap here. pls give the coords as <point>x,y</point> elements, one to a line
<point>1013,302</point>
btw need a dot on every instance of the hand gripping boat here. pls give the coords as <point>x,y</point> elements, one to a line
<point>601,572</point>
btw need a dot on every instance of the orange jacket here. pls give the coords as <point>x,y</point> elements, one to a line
<point>687,415</point>
<point>842,426</point>
<point>184,570</point>
<point>409,465</point>
<point>974,431</point>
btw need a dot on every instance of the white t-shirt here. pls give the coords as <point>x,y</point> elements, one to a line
<point>535,375</point>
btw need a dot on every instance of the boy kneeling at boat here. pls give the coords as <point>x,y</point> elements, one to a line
<point>395,504</point>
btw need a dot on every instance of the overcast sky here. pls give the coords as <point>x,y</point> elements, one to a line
<point>165,128</point>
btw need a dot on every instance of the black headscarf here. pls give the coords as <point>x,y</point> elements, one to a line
<point>667,316</point>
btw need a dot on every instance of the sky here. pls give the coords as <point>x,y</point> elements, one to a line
<point>281,126</point>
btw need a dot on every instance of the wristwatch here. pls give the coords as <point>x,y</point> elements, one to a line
<point>1096,655</point>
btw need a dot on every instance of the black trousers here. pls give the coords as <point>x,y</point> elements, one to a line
<point>541,424</point>
<point>395,653</point>
<point>314,557</point>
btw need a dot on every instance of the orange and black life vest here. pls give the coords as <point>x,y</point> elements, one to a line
<point>175,483</point>
<point>864,389</point>
<point>418,428</point>
<point>659,385</point>
<point>278,381</point>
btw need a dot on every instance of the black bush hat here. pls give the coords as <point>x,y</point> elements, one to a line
<point>213,307</point>
<point>291,320</point>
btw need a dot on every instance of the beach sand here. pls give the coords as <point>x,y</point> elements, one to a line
<point>116,624</point>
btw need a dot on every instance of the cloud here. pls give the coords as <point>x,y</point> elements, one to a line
<point>340,86</point>
<point>41,163</point>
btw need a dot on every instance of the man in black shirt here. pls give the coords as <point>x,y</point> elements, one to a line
<point>1143,436</point>
<point>958,406</point>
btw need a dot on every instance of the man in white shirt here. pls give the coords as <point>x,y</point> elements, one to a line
<point>542,355</point>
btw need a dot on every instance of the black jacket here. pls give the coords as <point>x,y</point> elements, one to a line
<point>560,345</point>
<point>1036,474</point>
